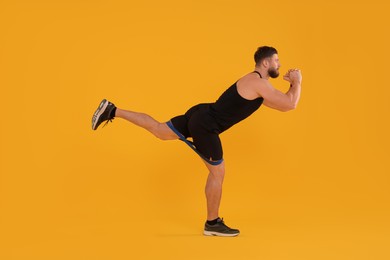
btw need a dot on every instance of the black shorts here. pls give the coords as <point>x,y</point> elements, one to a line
<point>199,124</point>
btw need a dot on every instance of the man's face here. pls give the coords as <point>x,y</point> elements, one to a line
<point>274,65</point>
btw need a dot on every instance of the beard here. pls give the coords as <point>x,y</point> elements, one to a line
<point>273,73</point>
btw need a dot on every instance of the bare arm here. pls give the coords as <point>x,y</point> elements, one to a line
<point>278,100</point>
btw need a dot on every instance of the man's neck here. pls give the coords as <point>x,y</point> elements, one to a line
<point>263,72</point>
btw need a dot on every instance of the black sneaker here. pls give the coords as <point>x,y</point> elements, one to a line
<point>220,229</point>
<point>102,113</point>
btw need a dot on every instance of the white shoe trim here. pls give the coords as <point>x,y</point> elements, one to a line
<point>213,233</point>
<point>102,107</point>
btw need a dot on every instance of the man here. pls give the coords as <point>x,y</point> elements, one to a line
<point>204,123</point>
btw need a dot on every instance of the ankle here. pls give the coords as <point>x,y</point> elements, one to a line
<point>213,222</point>
<point>113,112</point>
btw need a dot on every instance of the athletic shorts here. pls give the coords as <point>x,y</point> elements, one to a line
<point>204,130</point>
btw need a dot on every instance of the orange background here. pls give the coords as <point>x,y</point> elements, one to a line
<point>307,184</point>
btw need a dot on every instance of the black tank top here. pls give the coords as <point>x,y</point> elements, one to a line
<point>231,108</point>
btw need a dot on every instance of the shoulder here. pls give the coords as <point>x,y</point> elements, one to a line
<point>250,86</point>
<point>253,81</point>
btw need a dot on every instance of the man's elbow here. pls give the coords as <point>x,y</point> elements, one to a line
<point>289,107</point>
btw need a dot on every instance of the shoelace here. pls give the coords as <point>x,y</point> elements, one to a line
<point>109,120</point>
<point>223,223</point>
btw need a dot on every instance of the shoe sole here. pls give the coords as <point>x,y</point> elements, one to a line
<point>99,111</point>
<point>213,233</point>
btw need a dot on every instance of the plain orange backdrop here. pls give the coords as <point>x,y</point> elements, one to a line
<point>308,184</point>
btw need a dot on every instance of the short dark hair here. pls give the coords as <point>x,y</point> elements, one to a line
<point>264,52</point>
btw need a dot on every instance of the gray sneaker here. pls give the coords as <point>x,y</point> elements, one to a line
<point>102,113</point>
<point>220,229</point>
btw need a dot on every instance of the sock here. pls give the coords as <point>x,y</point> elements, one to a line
<point>112,114</point>
<point>212,222</point>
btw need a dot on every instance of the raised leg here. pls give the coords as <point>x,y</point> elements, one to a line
<point>160,130</point>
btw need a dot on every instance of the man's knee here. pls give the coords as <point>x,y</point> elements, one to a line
<point>161,136</point>
<point>217,171</point>
<point>162,132</point>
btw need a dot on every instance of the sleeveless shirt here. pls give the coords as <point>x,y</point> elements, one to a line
<point>231,107</point>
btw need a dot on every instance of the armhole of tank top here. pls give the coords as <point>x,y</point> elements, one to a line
<point>236,87</point>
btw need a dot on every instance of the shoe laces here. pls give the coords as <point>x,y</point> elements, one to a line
<point>107,121</point>
<point>223,223</point>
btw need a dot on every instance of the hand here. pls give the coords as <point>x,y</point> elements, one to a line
<point>293,76</point>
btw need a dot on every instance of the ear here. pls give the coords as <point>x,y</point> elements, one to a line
<point>265,63</point>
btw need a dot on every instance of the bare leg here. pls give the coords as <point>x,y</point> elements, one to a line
<point>214,189</point>
<point>160,130</point>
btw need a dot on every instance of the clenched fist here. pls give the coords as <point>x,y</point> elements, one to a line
<point>293,76</point>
